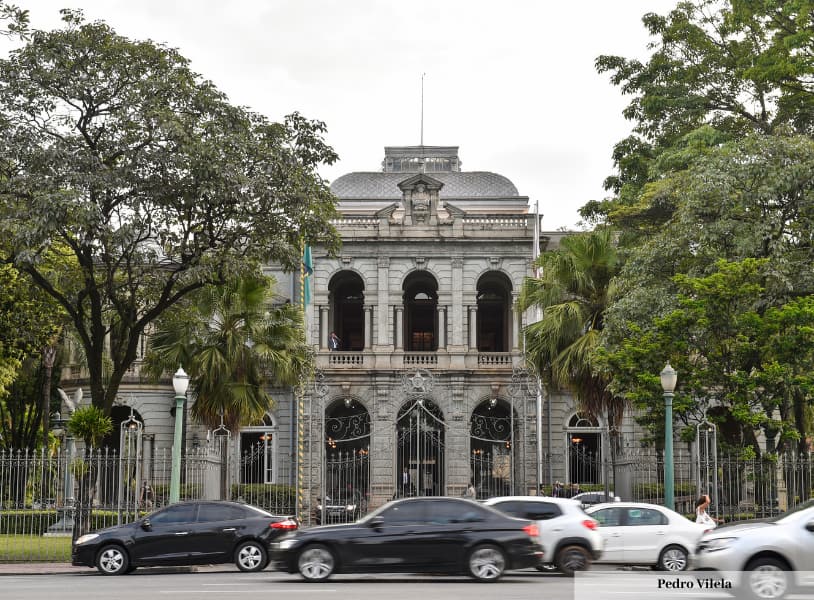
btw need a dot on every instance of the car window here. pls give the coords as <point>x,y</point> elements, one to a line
<point>174,514</point>
<point>404,512</point>
<point>645,516</point>
<point>513,508</point>
<point>608,517</point>
<point>444,512</point>
<point>540,511</point>
<point>220,512</point>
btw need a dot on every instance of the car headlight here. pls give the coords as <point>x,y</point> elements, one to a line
<point>286,544</point>
<point>88,537</point>
<point>717,544</point>
<point>350,507</point>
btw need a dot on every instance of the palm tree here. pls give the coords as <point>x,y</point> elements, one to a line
<point>572,292</point>
<point>233,341</point>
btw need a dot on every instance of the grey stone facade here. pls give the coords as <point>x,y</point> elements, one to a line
<point>429,377</point>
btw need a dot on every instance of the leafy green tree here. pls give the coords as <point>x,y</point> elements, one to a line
<point>146,181</point>
<point>734,68</point>
<point>572,292</point>
<point>233,341</point>
<point>739,360</point>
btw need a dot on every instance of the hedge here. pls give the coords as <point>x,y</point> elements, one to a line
<point>267,496</point>
<point>37,522</point>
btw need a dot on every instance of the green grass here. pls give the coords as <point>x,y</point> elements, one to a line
<point>29,548</point>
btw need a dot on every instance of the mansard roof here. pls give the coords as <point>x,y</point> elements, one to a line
<point>457,185</point>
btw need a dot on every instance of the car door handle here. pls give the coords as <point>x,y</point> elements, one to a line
<point>182,533</point>
<point>230,529</point>
<point>659,533</point>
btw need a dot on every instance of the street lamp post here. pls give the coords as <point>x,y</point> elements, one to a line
<point>668,384</point>
<point>180,382</point>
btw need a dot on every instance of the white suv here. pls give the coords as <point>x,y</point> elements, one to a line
<point>569,537</point>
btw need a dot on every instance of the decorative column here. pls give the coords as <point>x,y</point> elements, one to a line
<point>442,327</point>
<point>368,327</point>
<point>473,328</point>
<point>323,327</point>
<point>457,320</point>
<point>383,283</point>
<point>517,324</point>
<point>399,327</point>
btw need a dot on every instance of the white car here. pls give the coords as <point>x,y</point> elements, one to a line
<point>569,537</point>
<point>635,533</point>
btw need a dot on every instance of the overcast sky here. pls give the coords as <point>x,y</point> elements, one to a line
<point>512,83</point>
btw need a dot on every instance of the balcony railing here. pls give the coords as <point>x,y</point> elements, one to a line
<point>346,359</point>
<point>420,359</point>
<point>494,359</point>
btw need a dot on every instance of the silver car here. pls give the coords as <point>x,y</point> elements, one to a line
<point>762,559</point>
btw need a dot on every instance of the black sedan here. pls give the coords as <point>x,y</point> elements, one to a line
<point>186,533</point>
<point>414,535</point>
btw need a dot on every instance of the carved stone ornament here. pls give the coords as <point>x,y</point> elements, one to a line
<point>420,263</point>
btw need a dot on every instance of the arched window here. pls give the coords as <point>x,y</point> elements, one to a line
<point>347,299</point>
<point>494,310</point>
<point>421,314</point>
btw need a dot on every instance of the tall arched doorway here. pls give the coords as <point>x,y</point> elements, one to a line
<point>493,445</point>
<point>420,312</point>
<point>346,468</point>
<point>420,433</point>
<point>347,299</point>
<point>494,312</point>
<point>584,443</point>
<point>258,452</point>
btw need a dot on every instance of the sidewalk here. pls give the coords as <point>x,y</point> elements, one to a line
<point>61,568</point>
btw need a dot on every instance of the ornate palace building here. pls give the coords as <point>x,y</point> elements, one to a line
<point>424,389</point>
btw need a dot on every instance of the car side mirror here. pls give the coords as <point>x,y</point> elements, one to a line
<point>810,526</point>
<point>146,526</point>
<point>376,523</point>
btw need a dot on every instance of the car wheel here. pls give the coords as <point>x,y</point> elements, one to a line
<point>316,563</point>
<point>112,560</point>
<point>673,558</point>
<point>487,563</point>
<point>571,559</point>
<point>766,579</point>
<point>251,557</point>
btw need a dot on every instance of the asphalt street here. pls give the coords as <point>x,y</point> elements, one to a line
<point>146,584</point>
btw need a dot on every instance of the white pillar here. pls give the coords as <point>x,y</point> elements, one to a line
<point>383,314</point>
<point>442,327</point>
<point>368,327</point>
<point>399,327</point>
<point>457,330</point>
<point>517,325</point>
<point>473,328</point>
<point>323,327</point>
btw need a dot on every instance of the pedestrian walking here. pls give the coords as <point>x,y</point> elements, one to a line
<point>702,517</point>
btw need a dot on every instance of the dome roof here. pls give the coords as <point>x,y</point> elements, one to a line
<point>457,185</point>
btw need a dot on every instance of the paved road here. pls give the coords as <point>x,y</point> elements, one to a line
<point>141,585</point>
<point>224,584</point>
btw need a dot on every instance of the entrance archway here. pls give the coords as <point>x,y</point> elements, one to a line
<point>584,444</point>
<point>420,433</point>
<point>493,447</point>
<point>346,468</point>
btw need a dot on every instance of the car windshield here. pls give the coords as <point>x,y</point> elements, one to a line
<point>792,512</point>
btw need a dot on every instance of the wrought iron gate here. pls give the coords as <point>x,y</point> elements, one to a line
<point>420,430</point>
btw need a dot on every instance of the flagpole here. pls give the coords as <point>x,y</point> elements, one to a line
<point>300,400</point>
